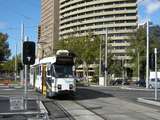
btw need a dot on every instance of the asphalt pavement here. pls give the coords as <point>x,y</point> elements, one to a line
<point>89,103</point>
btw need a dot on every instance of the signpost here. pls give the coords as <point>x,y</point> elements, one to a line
<point>28,59</point>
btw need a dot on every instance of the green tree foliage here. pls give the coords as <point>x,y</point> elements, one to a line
<point>86,48</point>
<point>114,67</point>
<point>138,44</point>
<point>4,47</point>
<point>9,66</point>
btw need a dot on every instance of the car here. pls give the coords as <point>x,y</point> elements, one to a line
<point>126,82</point>
<point>141,83</point>
<point>116,82</point>
<point>152,83</point>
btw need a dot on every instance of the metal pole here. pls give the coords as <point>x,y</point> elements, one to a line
<point>16,64</point>
<point>22,39</point>
<point>26,79</point>
<point>106,50</point>
<point>138,66</point>
<point>155,52</point>
<point>147,56</point>
<point>25,88</point>
<point>123,70</point>
<point>100,56</point>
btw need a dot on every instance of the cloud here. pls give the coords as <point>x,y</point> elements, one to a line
<point>3,25</point>
<point>151,6</point>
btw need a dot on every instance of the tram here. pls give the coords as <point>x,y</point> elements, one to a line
<point>54,75</point>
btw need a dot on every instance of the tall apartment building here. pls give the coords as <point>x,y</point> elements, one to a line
<point>49,27</point>
<point>118,17</point>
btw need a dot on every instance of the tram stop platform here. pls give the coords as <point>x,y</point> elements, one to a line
<point>15,108</point>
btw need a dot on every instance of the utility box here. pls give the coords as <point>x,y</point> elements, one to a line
<point>101,81</point>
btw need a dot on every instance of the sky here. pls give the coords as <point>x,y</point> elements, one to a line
<point>15,12</point>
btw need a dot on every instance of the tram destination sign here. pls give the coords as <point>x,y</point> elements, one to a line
<point>64,60</point>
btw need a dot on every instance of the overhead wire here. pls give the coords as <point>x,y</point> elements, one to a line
<point>17,28</point>
<point>12,10</point>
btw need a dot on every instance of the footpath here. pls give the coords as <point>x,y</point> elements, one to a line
<point>150,101</point>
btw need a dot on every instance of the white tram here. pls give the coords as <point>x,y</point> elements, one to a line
<point>53,75</point>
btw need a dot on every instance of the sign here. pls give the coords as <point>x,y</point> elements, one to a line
<point>16,103</point>
<point>64,60</point>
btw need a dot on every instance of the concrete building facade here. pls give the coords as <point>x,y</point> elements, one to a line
<point>118,17</point>
<point>49,27</point>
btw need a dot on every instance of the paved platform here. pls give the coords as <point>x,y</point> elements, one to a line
<point>150,101</point>
<point>35,110</point>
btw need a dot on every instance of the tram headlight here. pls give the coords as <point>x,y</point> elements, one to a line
<point>70,86</point>
<point>59,87</point>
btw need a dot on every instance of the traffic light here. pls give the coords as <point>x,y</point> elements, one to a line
<point>28,52</point>
<point>152,61</point>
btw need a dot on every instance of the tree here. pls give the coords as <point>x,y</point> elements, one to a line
<point>9,65</point>
<point>86,49</point>
<point>114,66</point>
<point>4,47</point>
<point>138,45</point>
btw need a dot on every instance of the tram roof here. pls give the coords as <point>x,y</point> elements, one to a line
<point>48,60</point>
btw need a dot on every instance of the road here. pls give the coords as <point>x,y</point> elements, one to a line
<point>110,104</point>
<point>94,103</point>
<point>126,94</point>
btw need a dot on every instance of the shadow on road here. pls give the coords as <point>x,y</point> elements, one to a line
<point>83,93</point>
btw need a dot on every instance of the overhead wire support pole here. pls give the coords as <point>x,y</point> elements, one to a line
<point>16,64</point>
<point>156,91</point>
<point>106,54</point>
<point>26,81</point>
<point>138,65</point>
<point>22,40</point>
<point>100,57</point>
<point>147,57</point>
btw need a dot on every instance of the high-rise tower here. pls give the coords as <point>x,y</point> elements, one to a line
<point>49,27</point>
<point>119,17</point>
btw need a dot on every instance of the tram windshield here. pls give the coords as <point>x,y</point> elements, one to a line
<point>63,71</point>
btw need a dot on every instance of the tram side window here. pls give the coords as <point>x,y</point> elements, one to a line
<point>48,72</point>
<point>52,71</point>
<point>39,70</point>
<point>32,71</point>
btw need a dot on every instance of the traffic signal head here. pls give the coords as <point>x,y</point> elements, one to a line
<point>152,61</point>
<point>28,52</point>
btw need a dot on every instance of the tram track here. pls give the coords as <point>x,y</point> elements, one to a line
<point>76,110</point>
<point>56,111</point>
<point>91,109</point>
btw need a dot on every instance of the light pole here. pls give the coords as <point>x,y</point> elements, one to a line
<point>147,56</point>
